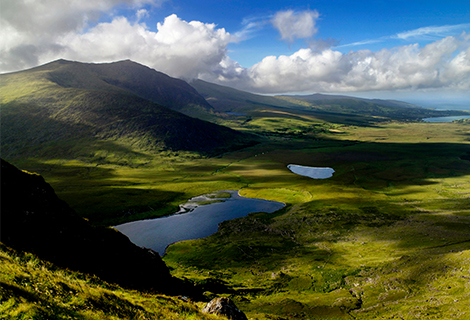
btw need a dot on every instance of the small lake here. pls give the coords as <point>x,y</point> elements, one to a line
<point>445,119</point>
<point>311,172</point>
<point>196,219</point>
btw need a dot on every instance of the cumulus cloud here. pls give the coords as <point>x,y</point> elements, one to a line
<point>54,30</point>
<point>178,48</point>
<point>295,25</point>
<point>33,26</point>
<point>442,64</point>
<point>33,35</point>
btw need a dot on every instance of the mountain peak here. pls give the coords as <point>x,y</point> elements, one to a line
<point>119,101</point>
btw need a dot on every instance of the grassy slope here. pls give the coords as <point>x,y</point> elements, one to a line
<point>389,233</point>
<point>33,289</point>
<point>226,99</point>
<point>70,110</point>
<point>326,107</point>
<point>391,227</point>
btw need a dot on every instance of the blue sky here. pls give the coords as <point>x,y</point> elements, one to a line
<point>344,21</point>
<point>392,49</point>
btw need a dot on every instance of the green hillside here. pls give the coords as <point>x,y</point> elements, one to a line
<point>147,83</point>
<point>68,109</point>
<point>226,99</point>
<point>387,237</point>
<point>35,289</point>
<point>330,108</point>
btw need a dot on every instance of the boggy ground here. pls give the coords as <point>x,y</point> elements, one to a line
<point>388,236</point>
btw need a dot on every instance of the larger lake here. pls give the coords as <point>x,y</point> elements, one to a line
<point>201,219</point>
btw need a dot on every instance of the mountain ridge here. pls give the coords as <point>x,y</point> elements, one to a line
<point>383,102</point>
<point>141,80</point>
<point>227,99</point>
<point>64,102</point>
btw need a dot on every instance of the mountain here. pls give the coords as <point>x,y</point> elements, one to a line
<point>227,99</point>
<point>70,107</point>
<point>325,97</point>
<point>143,81</point>
<point>35,220</point>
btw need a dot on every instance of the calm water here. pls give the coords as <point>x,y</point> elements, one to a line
<point>445,119</point>
<point>311,172</point>
<point>201,220</point>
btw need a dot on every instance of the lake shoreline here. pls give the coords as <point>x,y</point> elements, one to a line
<point>201,221</point>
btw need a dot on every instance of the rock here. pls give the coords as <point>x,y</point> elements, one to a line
<point>225,307</point>
<point>348,304</point>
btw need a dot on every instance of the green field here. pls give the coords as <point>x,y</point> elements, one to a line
<point>388,236</point>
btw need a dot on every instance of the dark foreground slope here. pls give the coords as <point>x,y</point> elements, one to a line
<point>64,109</point>
<point>35,220</point>
<point>32,288</point>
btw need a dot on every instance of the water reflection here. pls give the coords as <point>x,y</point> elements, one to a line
<point>202,217</point>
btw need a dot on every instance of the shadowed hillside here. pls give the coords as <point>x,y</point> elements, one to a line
<point>143,81</point>
<point>69,105</point>
<point>35,220</point>
<point>226,99</point>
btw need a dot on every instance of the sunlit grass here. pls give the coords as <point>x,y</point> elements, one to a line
<point>33,289</point>
<point>390,228</point>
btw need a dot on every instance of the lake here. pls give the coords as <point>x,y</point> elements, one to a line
<point>445,119</point>
<point>311,172</point>
<point>196,219</point>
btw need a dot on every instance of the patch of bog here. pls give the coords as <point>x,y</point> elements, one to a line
<point>311,172</point>
<point>198,218</point>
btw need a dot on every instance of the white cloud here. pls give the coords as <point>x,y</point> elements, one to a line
<point>250,26</point>
<point>433,31</point>
<point>141,14</point>
<point>425,34</point>
<point>33,27</point>
<point>178,48</point>
<point>442,64</point>
<point>36,32</point>
<point>49,30</point>
<point>295,25</point>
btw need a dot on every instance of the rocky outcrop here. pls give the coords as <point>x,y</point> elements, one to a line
<point>224,307</point>
<point>35,220</point>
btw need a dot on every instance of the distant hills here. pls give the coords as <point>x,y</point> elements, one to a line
<point>226,99</point>
<point>321,98</point>
<point>143,81</point>
<point>69,107</point>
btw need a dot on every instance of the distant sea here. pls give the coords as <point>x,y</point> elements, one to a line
<point>452,107</point>
<point>441,104</point>
<point>446,106</point>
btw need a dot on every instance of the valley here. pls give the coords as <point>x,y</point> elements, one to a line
<point>387,236</point>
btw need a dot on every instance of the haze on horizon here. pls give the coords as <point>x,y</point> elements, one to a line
<point>409,50</point>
